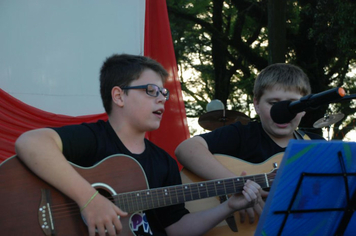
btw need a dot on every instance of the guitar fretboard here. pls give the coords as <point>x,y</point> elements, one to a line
<point>172,195</point>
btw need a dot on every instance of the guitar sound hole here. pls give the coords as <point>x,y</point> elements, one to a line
<point>107,192</point>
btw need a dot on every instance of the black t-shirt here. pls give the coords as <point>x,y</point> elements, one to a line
<point>247,142</point>
<point>88,143</point>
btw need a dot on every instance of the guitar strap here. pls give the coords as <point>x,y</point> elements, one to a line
<point>299,134</point>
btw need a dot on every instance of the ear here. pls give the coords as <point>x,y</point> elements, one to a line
<point>117,96</point>
<point>256,105</point>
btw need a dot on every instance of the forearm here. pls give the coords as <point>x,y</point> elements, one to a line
<point>41,151</point>
<point>195,156</point>
<point>199,223</point>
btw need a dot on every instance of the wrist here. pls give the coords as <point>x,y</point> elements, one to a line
<point>88,202</point>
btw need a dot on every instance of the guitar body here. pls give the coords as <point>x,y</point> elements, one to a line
<point>23,194</point>
<point>236,166</point>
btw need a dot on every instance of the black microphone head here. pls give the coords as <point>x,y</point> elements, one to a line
<point>280,112</point>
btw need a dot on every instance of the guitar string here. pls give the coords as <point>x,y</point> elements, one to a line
<point>63,210</point>
<point>133,200</point>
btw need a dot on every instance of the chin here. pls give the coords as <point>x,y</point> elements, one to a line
<point>153,127</point>
<point>282,133</point>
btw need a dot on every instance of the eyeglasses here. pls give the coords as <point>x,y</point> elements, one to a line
<point>151,90</point>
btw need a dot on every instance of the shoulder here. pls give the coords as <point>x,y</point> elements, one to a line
<point>233,129</point>
<point>252,128</point>
<point>100,124</point>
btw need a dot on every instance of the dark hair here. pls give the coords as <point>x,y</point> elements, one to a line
<point>287,76</point>
<point>121,70</point>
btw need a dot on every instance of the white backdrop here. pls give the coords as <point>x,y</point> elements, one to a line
<point>51,51</point>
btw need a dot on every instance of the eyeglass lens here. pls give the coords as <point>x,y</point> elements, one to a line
<point>154,90</point>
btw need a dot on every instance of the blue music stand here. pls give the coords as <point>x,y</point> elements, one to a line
<point>313,192</point>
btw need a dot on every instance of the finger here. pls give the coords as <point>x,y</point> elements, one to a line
<point>243,173</point>
<point>121,212</point>
<point>258,208</point>
<point>262,203</point>
<point>242,216</point>
<point>264,193</point>
<point>255,185</point>
<point>251,215</point>
<point>250,196</point>
<point>250,192</point>
<point>118,225</point>
<point>101,230</point>
<point>250,212</point>
<point>246,192</point>
<point>91,230</point>
<point>110,229</point>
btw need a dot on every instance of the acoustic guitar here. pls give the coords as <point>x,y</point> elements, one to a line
<point>30,206</point>
<point>236,166</point>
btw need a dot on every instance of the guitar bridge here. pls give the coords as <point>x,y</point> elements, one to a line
<point>44,213</point>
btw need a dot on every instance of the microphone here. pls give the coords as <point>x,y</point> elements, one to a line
<point>285,111</point>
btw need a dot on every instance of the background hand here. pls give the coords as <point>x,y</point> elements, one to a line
<point>250,212</point>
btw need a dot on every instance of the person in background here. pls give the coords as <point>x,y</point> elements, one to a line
<point>258,140</point>
<point>133,96</point>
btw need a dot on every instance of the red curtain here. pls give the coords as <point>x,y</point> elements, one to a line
<point>159,46</point>
<point>17,117</point>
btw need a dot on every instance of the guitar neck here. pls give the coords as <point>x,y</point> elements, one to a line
<point>172,195</point>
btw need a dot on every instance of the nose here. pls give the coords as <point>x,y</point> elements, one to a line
<point>161,98</point>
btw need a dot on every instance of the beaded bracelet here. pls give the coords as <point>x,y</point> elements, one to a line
<point>86,204</point>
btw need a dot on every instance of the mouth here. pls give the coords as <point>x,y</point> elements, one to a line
<point>159,112</point>
<point>282,125</point>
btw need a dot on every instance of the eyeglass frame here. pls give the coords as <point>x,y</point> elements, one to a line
<point>146,87</point>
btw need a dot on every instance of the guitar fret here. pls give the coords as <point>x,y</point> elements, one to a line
<point>239,184</point>
<point>220,188</point>
<point>138,197</point>
<point>215,189</point>
<point>149,200</point>
<point>120,202</point>
<point>210,188</point>
<point>163,194</point>
<point>123,202</point>
<point>167,197</point>
<point>128,204</point>
<point>187,193</point>
<point>195,191</point>
<point>143,197</point>
<point>233,183</point>
<point>155,198</point>
<point>249,178</point>
<point>134,201</point>
<point>173,195</point>
<point>202,190</point>
<point>224,184</point>
<point>180,194</point>
<point>160,197</point>
<point>229,188</point>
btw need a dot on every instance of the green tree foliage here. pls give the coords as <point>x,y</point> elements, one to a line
<point>224,44</point>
